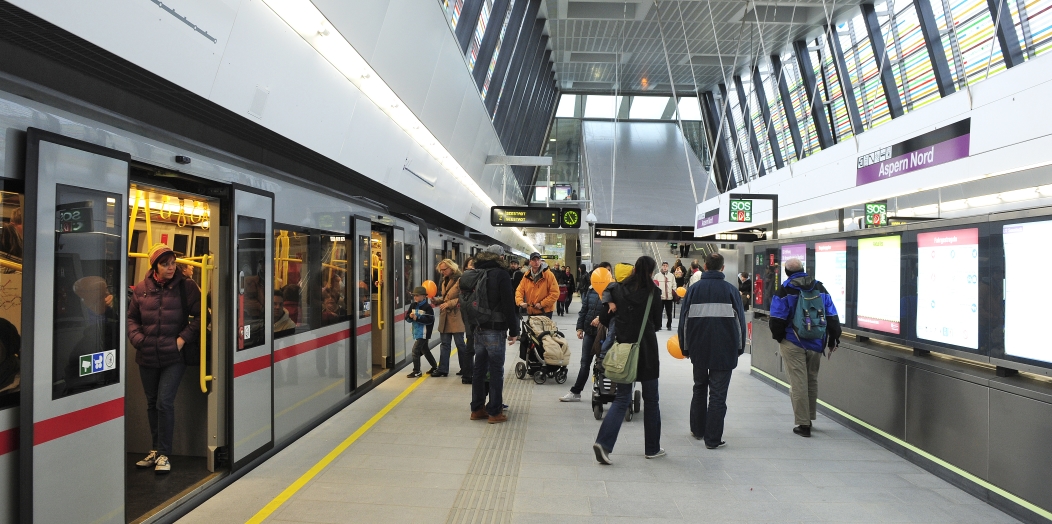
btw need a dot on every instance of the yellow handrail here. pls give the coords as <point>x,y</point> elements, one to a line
<point>11,265</point>
<point>380,294</point>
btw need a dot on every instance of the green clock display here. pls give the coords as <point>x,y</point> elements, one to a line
<point>571,217</point>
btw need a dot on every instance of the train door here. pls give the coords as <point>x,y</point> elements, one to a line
<point>382,298</point>
<point>252,287</point>
<point>399,296</point>
<point>73,349</point>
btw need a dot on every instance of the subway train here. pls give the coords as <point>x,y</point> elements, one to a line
<point>81,204</point>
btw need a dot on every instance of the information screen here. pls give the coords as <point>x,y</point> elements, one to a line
<point>879,272</point>
<point>525,216</point>
<point>831,271</point>
<point>795,251</point>
<point>1026,248</point>
<point>948,287</point>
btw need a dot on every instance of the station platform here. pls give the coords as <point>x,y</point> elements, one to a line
<point>407,452</point>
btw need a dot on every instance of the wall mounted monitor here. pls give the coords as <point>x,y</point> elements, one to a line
<point>1026,252</point>
<point>948,287</point>
<point>831,270</point>
<point>879,278</point>
<point>795,251</point>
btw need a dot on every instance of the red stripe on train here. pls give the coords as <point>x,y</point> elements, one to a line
<point>364,330</point>
<point>70,423</point>
<point>310,345</point>
<point>251,366</point>
<point>8,441</point>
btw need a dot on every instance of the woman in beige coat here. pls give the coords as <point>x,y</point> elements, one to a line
<point>450,323</point>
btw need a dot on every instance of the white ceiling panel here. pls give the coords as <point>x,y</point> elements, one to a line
<point>358,22</point>
<point>413,33</point>
<point>445,96</point>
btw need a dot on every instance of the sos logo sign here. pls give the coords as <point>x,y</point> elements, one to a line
<point>73,220</point>
<point>741,211</point>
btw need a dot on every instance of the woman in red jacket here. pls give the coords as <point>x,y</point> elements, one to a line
<point>160,322</point>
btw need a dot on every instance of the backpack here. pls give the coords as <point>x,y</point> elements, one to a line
<point>474,299</point>
<point>809,318</point>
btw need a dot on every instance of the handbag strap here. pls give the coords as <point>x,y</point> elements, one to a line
<point>646,316</point>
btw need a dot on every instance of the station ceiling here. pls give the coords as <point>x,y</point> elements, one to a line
<point>601,46</point>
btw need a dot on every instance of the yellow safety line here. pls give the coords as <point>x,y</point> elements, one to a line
<point>1000,491</point>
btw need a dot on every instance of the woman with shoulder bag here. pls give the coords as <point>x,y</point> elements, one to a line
<point>635,323</point>
<point>450,322</point>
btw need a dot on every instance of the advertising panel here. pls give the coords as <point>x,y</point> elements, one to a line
<point>831,271</point>
<point>948,287</point>
<point>1026,247</point>
<point>879,263</point>
<point>795,251</point>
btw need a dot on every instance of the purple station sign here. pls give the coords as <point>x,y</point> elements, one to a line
<point>942,145</point>
<point>710,218</point>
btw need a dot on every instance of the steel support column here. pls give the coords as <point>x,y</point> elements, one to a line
<point>512,98</point>
<point>933,42</point>
<point>743,103</point>
<point>818,109</point>
<point>844,75</point>
<point>880,53</point>
<point>518,117</point>
<point>529,114</point>
<point>469,18</point>
<point>489,41</point>
<point>1006,35</point>
<point>787,105</point>
<point>765,111</point>
<point>510,48</point>
<point>724,171</point>
<point>732,130</point>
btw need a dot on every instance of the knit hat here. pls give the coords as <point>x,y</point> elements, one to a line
<point>157,251</point>
<point>420,291</point>
<point>496,249</point>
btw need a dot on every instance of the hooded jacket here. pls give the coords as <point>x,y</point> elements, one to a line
<point>783,305</point>
<point>538,287</point>
<point>500,294</point>
<point>590,307</point>
<point>712,325</point>
<point>156,319</point>
<point>424,322</point>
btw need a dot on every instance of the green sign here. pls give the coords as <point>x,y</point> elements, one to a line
<point>876,214</point>
<point>741,211</point>
<point>571,217</point>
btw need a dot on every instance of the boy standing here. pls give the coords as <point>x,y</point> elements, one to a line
<point>422,315</point>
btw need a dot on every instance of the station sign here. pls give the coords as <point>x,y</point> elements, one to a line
<point>97,362</point>
<point>525,216</point>
<point>876,214</point>
<point>741,211</point>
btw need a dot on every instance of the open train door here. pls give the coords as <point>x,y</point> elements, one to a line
<point>73,346</point>
<point>252,287</point>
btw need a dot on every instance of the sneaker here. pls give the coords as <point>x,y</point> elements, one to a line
<point>149,461</point>
<point>601,455</point>
<point>480,414</point>
<point>432,371</point>
<point>498,419</point>
<point>439,374</point>
<point>660,453</point>
<point>803,431</point>
<point>415,374</point>
<point>720,445</point>
<point>570,397</point>
<point>163,465</point>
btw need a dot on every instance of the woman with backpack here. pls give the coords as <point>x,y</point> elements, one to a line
<point>635,322</point>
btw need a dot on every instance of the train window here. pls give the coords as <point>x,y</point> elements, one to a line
<point>364,276</point>
<point>251,281</point>
<point>408,267</point>
<point>292,273</point>
<point>87,261</point>
<point>332,266</point>
<point>399,277</point>
<point>12,202</point>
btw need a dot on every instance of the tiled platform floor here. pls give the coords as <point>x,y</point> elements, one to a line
<point>411,465</point>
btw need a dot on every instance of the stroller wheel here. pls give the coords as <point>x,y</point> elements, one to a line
<point>636,401</point>
<point>628,415</point>
<point>560,376</point>
<point>520,370</point>
<point>539,377</point>
<point>597,410</point>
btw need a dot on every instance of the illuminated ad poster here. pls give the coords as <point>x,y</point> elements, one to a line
<point>942,145</point>
<point>948,287</point>
<point>831,271</point>
<point>795,251</point>
<point>1026,248</point>
<point>878,283</point>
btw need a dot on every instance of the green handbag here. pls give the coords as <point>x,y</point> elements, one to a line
<point>622,361</point>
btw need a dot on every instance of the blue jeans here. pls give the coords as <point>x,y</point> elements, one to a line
<point>446,349</point>
<point>616,416</point>
<point>608,342</point>
<point>489,357</point>
<point>586,364</point>
<point>160,386</point>
<point>706,421</point>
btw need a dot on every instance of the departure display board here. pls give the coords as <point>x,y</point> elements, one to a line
<point>879,271</point>
<point>948,287</point>
<point>1026,250</point>
<point>795,251</point>
<point>523,216</point>
<point>831,271</point>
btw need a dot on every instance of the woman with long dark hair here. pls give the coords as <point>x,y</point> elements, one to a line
<point>632,315</point>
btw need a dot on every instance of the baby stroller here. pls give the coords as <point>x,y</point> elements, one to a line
<point>545,352</point>
<point>604,390</point>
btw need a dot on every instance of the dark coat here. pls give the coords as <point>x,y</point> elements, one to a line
<point>713,336</point>
<point>590,307</point>
<point>500,294</point>
<point>156,318</point>
<point>631,307</point>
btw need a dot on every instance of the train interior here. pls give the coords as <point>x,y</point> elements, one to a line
<point>12,204</point>
<point>381,301</point>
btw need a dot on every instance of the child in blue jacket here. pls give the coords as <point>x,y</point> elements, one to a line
<point>422,316</point>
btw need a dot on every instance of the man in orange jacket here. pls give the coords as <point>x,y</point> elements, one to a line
<point>538,290</point>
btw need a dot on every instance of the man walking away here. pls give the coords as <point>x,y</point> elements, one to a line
<point>666,282</point>
<point>804,321</point>
<point>490,333</point>
<point>712,334</point>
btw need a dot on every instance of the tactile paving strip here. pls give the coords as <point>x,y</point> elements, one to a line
<point>488,491</point>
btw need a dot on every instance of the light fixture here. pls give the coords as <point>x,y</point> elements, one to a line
<point>1019,194</point>
<point>953,205</point>
<point>985,200</point>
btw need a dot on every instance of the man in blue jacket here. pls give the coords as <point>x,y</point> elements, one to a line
<point>803,354</point>
<point>713,336</point>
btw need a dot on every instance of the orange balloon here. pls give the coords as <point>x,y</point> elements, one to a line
<point>681,291</point>
<point>601,278</point>
<point>431,288</point>
<point>673,347</point>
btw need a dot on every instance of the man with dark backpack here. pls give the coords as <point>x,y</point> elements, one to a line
<point>487,303</point>
<point>804,321</point>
